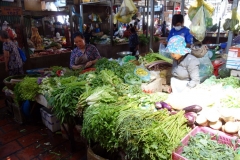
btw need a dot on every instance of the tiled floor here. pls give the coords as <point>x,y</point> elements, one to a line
<point>33,141</point>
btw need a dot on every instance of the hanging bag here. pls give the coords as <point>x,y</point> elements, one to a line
<point>199,50</point>
<point>22,55</point>
<point>124,10</point>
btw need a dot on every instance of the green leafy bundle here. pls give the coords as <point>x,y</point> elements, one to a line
<point>99,124</point>
<point>201,146</point>
<point>229,81</point>
<point>105,64</point>
<point>150,135</point>
<point>47,86</point>
<point>27,89</point>
<point>64,100</point>
<point>151,57</point>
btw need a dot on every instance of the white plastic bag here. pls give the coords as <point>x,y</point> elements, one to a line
<point>198,27</point>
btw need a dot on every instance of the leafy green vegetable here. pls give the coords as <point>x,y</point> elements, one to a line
<point>131,78</point>
<point>128,58</point>
<point>151,57</point>
<point>27,89</point>
<point>145,134</point>
<point>229,81</point>
<point>64,99</point>
<point>201,146</point>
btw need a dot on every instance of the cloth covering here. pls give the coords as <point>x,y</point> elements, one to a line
<point>177,45</point>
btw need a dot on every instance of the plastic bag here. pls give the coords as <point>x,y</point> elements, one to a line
<point>198,27</point>
<point>121,16</point>
<point>195,6</point>
<point>142,73</point>
<point>162,51</point>
<point>223,71</point>
<point>124,10</point>
<point>205,68</point>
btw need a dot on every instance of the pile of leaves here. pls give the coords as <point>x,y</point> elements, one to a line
<point>202,146</point>
<point>27,89</point>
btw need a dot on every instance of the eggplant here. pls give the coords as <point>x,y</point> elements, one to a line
<point>173,112</point>
<point>191,117</point>
<point>158,105</point>
<point>165,105</point>
<point>193,108</point>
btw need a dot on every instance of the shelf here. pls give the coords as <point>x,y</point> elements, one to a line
<point>44,13</point>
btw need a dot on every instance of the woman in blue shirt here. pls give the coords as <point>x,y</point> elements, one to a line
<point>180,29</point>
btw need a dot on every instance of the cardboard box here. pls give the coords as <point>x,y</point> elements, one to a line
<point>235,73</point>
<point>32,5</point>
<point>50,120</point>
<point>233,59</point>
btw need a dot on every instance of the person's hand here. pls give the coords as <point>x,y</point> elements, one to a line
<point>90,63</point>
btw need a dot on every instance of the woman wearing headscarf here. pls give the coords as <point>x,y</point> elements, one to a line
<point>13,61</point>
<point>185,69</point>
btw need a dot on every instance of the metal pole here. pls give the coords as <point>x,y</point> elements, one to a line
<point>182,7</point>
<point>81,12</point>
<point>230,33</point>
<point>111,22</point>
<point>147,28</point>
<point>143,21</point>
<point>218,34</point>
<point>71,24</point>
<point>174,4</point>
<point>152,24</point>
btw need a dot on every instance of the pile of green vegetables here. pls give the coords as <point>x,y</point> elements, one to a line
<point>226,82</point>
<point>202,146</point>
<point>151,57</point>
<point>27,89</point>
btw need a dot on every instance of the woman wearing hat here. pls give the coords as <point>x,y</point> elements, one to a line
<point>185,70</point>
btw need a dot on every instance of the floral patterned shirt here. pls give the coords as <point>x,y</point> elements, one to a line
<point>15,60</point>
<point>90,50</point>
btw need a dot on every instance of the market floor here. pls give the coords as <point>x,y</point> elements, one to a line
<point>33,142</point>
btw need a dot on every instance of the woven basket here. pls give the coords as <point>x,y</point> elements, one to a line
<point>93,156</point>
<point>158,65</point>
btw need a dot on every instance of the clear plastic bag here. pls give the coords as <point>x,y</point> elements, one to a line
<point>162,51</point>
<point>205,68</point>
<point>198,27</point>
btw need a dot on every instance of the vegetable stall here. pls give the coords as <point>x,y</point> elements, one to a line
<point>118,107</point>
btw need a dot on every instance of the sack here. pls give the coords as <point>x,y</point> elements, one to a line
<point>198,27</point>
<point>199,51</point>
<point>205,68</point>
<point>22,55</point>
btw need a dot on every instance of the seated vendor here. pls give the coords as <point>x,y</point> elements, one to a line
<point>185,69</point>
<point>84,55</point>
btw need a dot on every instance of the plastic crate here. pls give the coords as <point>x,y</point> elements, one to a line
<point>50,120</point>
<point>222,138</point>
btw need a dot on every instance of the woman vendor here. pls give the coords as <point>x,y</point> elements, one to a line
<point>84,55</point>
<point>185,69</point>
<point>180,29</point>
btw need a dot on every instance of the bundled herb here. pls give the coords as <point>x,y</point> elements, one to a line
<point>229,81</point>
<point>150,135</point>
<point>64,99</point>
<point>47,86</point>
<point>201,146</point>
<point>151,57</point>
<point>27,89</point>
<point>99,123</point>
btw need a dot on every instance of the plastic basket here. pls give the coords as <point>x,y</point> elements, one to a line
<point>222,138</point>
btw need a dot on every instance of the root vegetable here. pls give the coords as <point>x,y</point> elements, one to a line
<point>231,127</point>
<point>201,119</point>
<point>212,116</point>
<point>216,125</point>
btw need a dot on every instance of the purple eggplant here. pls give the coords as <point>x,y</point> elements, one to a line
<point>165,105</point>
<point>193,108</point>
<point>191,117</point>
<point>158,105</point>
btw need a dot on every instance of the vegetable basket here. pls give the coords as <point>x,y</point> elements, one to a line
<point>158,65</point>
<point>222,138</point>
